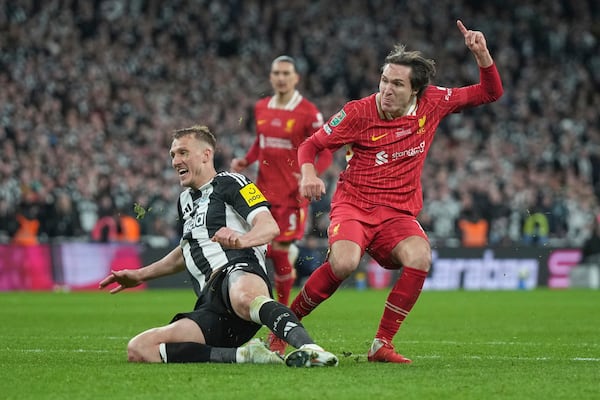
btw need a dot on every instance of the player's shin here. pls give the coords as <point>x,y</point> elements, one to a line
<point>280,320</point>
<point>284,278</point>
<point>321,284</point>
<point>400,301</point>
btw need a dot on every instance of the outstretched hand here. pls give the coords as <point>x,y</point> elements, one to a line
<point>475,41</point>
<point>125,278</point>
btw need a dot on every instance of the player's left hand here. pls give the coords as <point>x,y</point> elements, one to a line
<point>474,40</point>
<point>238,164</point>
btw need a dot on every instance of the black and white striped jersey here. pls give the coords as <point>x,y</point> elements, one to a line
<point>230,199</point>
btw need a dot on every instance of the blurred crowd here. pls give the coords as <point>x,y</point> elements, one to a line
<point>90,91</point>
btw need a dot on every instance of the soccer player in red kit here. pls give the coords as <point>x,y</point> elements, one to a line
<point>378,197</point>
<point>282,122</point>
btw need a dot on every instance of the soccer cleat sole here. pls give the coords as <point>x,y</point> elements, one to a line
<point>308,358</point>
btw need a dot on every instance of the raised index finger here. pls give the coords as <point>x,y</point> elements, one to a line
<point>461,27</point>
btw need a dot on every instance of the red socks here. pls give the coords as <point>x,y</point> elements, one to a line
<point>321,284</point>
<point>400,301</point>
<point>284,277</point>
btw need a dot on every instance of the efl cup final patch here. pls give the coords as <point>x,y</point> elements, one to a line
<point>251,194</point>
<point>337,118</point>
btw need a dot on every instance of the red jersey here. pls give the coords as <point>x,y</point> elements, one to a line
<point>385,157</point>
<point>279,132</point>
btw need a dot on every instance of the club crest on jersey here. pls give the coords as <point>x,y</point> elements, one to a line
<point>203,197</point>
<point>252,194</point>
<point>422,125</point>
<point>337,118</point>
<point>289,125</point>
<point>335,230</point>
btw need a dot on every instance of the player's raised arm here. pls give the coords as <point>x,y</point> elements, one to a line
<point>475,41</point>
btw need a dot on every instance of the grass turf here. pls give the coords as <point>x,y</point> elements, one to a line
<point>465,345</point>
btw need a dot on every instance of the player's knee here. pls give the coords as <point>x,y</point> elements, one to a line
<point>242,299</point>
<point>422,262</point>
<point>344,258</point>
<point>418,259</point>
<point>343,266</point>
<point>413,252</point>
<point>142,348</point>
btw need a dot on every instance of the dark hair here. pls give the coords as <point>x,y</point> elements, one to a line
<point>423,69</point>
<point>200,132</point>
<point>284,58</point>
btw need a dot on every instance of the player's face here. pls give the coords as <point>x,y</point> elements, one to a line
<point>283,77</point>
<point>396,89</point>
<point>190,158</point>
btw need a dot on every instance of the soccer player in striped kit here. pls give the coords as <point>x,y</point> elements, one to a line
<point>378,197</point>
<point>226,226</point>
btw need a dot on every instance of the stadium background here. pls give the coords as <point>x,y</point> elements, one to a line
<point>91,90</point>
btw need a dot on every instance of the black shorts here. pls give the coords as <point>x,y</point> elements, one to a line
<point>215,316</point>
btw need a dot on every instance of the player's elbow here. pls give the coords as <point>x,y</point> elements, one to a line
<point>269,229</point>
<point>496,94</point>
<point>274,230</point>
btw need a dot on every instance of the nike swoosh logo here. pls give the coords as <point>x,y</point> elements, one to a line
<point>376,138</point>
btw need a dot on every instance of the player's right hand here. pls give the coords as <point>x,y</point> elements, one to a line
<point>238,164</point>
<point>312,187</point>
<point>125,278</point>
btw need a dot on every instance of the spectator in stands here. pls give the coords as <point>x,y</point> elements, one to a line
<point>590,252</point>
<point>8,222</point>
<point>129,227</point>
<point>107,228</point>
<point>472,227</point>
<point>62,219</point>
<point>28,218</point>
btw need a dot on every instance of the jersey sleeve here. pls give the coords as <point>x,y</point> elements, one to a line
<point>315,120</point>
<point>252,154</point>
<point>243,195</point>
<point>324,160</point>
<point>488,90</point>
<point>340,129</point>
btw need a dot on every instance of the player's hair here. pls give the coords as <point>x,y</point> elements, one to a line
<point>422,69</point>
<point>200,132</point>
<point>284,58</point>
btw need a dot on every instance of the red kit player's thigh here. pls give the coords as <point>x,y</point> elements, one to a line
<point>342,227</point>
<point>390,233</point>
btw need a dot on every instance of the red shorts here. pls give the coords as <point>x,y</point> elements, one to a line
<point>291,222</point>
<point>376,230</point>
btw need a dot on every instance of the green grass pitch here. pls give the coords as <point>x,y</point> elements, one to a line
<point>539,344</point>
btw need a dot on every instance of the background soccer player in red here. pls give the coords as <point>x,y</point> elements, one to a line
<point>282,122</point>
<point>378,197</point>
